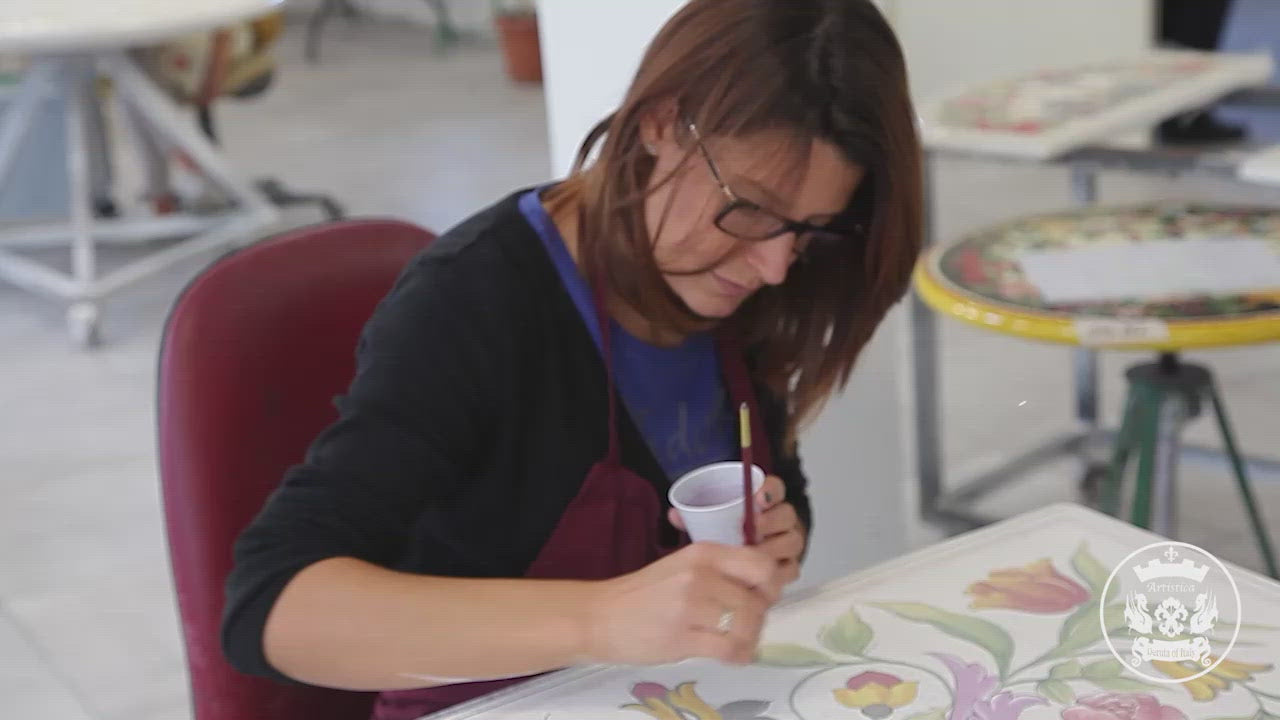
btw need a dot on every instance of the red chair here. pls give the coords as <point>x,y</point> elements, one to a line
<point>253,354</point>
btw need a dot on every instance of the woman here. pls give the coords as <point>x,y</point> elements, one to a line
<point>487,506</point>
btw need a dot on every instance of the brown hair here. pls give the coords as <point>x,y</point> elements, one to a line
<point>822,69</point>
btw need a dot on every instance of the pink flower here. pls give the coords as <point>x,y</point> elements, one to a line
<point>1122,706</point>
<point>645,690</point>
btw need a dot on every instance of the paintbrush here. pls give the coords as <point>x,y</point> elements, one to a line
<point>748,510</point>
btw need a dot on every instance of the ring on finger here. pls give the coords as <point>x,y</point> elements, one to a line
<point>726,622</point>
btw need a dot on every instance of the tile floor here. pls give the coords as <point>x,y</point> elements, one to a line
<point>88,629</point>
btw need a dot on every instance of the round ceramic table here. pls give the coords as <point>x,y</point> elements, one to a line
<point>1033,278</point>
<point>47,26</point>
<point>980,280</point>
<point>70,44</point>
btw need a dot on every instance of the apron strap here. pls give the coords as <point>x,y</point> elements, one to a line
<point>606,351</point>
<point>734,369</point>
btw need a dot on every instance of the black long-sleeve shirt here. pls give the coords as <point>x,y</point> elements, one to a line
<point>478,405</point>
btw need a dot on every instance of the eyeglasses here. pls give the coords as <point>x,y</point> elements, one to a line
<point>747,220</point>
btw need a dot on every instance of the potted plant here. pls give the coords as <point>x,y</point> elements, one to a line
<point>516,22</point>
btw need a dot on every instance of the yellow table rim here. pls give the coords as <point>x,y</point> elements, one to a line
<point>1174,334</point>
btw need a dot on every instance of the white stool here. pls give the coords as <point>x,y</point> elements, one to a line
<point>70,43</point>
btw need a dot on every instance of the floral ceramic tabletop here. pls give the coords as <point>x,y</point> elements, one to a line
<point>1048,98</point>
<point>987,264</point>
<point>1163,276</point>
<point>1027,619</point>
<point>1047,113</point>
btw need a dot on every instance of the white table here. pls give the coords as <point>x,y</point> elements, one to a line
<point>70,43</point>
<point>910,617</point>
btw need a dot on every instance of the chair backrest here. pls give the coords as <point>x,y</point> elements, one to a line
<point>254,352</point>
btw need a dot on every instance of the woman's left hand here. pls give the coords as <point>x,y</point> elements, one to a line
<point>778,528</point>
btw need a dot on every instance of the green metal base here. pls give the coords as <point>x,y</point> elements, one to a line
<point>1162,396</point>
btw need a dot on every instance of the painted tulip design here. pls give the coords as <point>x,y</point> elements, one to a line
<point>1036,588</point>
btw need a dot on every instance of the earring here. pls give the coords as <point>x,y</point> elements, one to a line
<point>649,148</point>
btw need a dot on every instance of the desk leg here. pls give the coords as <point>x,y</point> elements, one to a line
<point>924,365</point>
<point>19,116</point>
<point>1172,416</point>
<point>1084,190</point>
<point>82,316</point>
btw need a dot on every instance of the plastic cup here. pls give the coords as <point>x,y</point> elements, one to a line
<point>709,500</point>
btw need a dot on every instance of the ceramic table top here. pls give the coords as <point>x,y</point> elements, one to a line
<point>1058,613</point>
<point>1045,114</point>
<point>981,279</point>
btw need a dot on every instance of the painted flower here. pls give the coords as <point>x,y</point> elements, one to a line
<point>1036,588</point>
<point>1207,686</point>
<point>683,703</point>
<point>1121,706</point>
<point>877,694</point>
<point>974,698</point>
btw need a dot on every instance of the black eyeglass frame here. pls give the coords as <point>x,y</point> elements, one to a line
<point>805,232</point>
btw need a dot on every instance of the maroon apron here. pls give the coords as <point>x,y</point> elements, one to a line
<point>610,528</point>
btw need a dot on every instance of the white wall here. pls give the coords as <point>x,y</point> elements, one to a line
<point>854,455</point>
<point>590,50</point>
<point>948,42</point>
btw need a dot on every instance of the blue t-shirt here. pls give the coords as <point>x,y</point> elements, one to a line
<point>676,395</point>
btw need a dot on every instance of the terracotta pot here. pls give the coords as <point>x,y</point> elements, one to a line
<point>518,33</point>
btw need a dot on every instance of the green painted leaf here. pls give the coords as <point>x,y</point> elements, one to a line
<point>934,714</point>
<point>987,635</point>
<point>1094,573</point>
<point>848,636</point>
<point>1119,684</point>
<point>1081,629</point>
<point>1056,691</point>
<point>789,655</point>
<point>1103,669</point>
<point>1066,670</point>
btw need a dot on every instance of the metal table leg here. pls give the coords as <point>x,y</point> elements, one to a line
<point>924,365</point>
<point>1172,416</point>
<point>1084,190</point>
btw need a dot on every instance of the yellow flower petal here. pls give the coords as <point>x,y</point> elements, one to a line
<point>901,694</point>
<point>1201,691</point>
<point>656,709</point>
<point>867,695</point>
<point>987,597</point>
<point>844,696</point>
<point>686,698</point>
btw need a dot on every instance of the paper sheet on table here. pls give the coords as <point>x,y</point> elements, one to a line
<point>1152,270</point>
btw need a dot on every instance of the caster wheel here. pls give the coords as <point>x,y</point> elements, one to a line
<point>105,207</point>
<point>84,325</point>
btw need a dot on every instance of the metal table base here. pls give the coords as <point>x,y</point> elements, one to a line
<point>952,509</point>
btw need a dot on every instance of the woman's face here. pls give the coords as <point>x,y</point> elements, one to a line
<point>711,270</point>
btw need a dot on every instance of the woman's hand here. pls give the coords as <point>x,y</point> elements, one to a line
<point>778,528</point>
<point>704,600</point>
